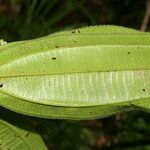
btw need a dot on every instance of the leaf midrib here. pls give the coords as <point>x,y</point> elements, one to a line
<point>69,73</point>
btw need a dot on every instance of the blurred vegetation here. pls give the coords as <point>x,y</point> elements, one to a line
<point>29,19</point>
<point>33,18</point>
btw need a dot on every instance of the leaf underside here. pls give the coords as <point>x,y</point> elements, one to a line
<point>80,74</point>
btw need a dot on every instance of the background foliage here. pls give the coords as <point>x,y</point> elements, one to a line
<point>21,20</point>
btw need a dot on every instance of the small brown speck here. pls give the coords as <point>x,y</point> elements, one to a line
<point>129,53</point>
<point>1,85</point>
<point>144,90</point>
<point>53,58</point>
<point>56,46</point>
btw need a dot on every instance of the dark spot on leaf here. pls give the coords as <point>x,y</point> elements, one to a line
<point>144,90</point>
<point>138,47</point>
<point>1,85</point>
<point>53,58</point>
<point>56,46</point>
<point>129,53</point>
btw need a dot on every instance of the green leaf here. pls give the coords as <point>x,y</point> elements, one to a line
<point>15,135</point>
<point>79,74</point>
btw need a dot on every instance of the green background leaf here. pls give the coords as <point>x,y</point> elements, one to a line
<point>15,134</point>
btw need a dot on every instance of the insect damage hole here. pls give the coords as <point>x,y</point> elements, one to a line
<point>1,85</point>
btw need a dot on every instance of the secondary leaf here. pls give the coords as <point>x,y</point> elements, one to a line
<point>16,137</point>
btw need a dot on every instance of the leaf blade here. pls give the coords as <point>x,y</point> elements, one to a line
<point>99,71</point>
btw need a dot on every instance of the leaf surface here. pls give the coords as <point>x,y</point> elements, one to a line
<point>82,74</point>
